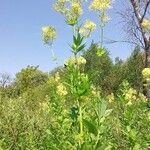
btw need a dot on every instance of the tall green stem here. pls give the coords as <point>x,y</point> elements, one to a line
<point>80,124</point>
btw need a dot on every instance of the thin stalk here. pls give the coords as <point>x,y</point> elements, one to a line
<point>80,124</point>
<point>97,140</point>
<point>54,58</point>
<point>81,120</point>
<point>102,36</point>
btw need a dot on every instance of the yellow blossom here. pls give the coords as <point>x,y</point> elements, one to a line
<point>100,5</point>
<point>76,9</point>
<point>111,98</point>
<point>57,77</point>
<point>146,25</point>
<point>94,91</point>
<point>146,73</point>
<point>88,27</point>
<point>81,60</point>
<point>129,103</point>
<point>131,94</point>
<point>70,61</point>
<point>49,34</point>
<point>61,90</point>
<point>71,10</point>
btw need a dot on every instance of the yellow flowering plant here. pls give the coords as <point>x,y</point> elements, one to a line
<point>71,10</point>
<point>101,7</point>
<point>48,36</point>
<point>87,28</point>
<point>146,25</point>
<point>76,82</point>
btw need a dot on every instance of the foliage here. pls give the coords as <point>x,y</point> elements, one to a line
<point>74,107</point>
<point>29,78</point>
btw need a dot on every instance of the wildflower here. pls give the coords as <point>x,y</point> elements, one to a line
<point>70,61</point>
<point>81,60</point>
<point>88,27</point>
<point>71,10</point>
<point>94,91</point>
<point>129,103</point>
<point>131,94</point>
<point>57,77</point>
<point>61,90</point>
<point>51,80</point>
<point>76,9</point>
<point>146,73</point>
<point>100,5</point>
<point>146,25</point>
<point>111,98</point>
<point>49,34</point>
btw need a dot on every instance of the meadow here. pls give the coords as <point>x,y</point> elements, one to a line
<point>89,103</point>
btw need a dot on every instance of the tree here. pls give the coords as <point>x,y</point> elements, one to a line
<point>135,65</point>
<point>5,79</point>
<point>29,78</point>
<point>99,68</point>
<point>141,12</point>
<point>137,25</point>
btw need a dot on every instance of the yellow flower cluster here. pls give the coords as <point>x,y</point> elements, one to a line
<point>111,98</point>
<point>57,77</point>
<point>146,25</point>
<point>76,9</point>
<point>88,27</point>
<point>130,96</point>
<point>81,60</point>
<point>49,34</point>
<point>44,105</point>
<point>100,5</point>
<point>94,91</point>
<point>146,73</point>
<point>61,90</point>
<point>72,61</point>
<point>71,10</point>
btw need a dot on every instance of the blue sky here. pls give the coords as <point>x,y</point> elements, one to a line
<point>20,35</point>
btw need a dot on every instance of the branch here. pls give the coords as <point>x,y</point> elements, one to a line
<point>145,10</point>
<point>136,10</point>
<point>138,16</point>
<point>122,41</point>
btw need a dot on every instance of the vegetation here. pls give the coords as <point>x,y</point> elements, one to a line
<point>91,103</point>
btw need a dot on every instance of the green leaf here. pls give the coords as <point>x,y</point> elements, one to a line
<point>81,47</point>
<point>91,127</point>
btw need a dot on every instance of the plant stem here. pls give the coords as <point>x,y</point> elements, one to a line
<point>80,124</point>
<point>97,140</point>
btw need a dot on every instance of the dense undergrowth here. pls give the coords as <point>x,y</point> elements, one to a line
<point>89,104</point>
